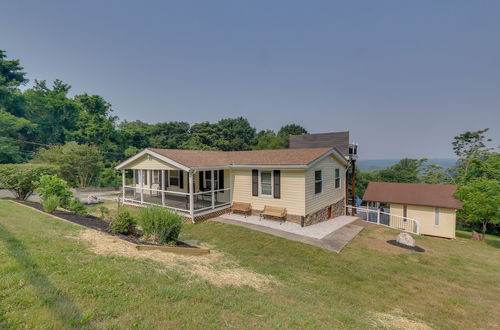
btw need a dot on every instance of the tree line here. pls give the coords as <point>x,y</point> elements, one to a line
<point>44,117</point>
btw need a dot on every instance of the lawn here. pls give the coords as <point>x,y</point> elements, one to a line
<point>50,277</point>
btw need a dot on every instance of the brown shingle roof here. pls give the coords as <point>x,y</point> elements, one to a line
<point>203,158</point>
<point>437,195</point>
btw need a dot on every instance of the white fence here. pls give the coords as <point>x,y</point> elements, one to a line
<point>379,217</point>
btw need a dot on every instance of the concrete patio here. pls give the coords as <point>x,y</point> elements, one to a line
<point>331,235</point>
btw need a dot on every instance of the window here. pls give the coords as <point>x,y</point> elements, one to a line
<point>156,176</point>
<point>174,178</point>
<point>145,177</point>
<point>266,183</point>
<point>337,178</point>
<point>318,182</point>
<point>436,217</point>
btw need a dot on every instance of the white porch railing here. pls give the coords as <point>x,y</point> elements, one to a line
<point>179,201</point>
<point>379,217</point>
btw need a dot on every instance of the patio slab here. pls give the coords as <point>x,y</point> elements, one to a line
<point>318,230</point>
<point>334,241</point>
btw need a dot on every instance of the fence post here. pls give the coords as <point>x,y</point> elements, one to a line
<point>378,216</point>
<point>142,185</point>
<point>418,226</point>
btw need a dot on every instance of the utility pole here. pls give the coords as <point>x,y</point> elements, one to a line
<point>353,186</point>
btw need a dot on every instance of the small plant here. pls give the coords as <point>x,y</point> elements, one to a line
<point>104,212</point>
<point>77,207</point>
<point>162,225</point>
<point>124,223</point>
<point>50,203</point>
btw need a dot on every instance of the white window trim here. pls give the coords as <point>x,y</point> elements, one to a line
<point>178,178</point>
<point>156,179</point>
<point>335,178</point>
<point>322,182</point>
<point>216,181</point>
<point>272,184</point>
<point>437,212</point>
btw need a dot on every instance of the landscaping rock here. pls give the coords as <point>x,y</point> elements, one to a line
<point>405,239</point>
<point>91,199</point>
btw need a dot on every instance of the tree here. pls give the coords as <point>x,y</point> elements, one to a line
<point>94,123</point>
<point>169,135</point>
<point>54,113</point>
<point>468,146</point>
<point>406,171</point>
<point>480,202</point>
<point>20,178</point>
<point>79,164</point>
<point>292,129</point>
<point>234,134</point>
<point>13,129</point>
<point>436,174</point>
<point>11,78</point>
<point>135,134</point>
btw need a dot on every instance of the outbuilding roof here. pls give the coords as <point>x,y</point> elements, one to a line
<point>203,158</point>
<point>436,195</point>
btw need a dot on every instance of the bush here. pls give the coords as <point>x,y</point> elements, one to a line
<point>52,185</point>
<point>123,224</point>
<point>50,203</point>
<point>76,207</point>
<point>21,179</point>
<point>161,224</point>
<point>109,177</point>
<point>104,212</point>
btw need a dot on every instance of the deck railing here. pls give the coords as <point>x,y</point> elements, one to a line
<point>175,200</point>
<point>379,217</point>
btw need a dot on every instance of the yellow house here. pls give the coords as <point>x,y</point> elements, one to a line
<point>433,205</point>
<point>309,183</point>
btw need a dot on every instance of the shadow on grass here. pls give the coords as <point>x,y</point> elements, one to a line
<point>49,295</point>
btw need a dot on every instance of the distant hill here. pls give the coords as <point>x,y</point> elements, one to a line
<point>368,165</point>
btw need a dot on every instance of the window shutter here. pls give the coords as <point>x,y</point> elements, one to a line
<point>255,183</point>
<point>166,178</point>
<point>181,179</point>
<point>277,183</point>
<point>221,179</point>
<point>202,183</point>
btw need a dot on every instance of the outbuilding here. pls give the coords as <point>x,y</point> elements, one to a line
<point>432,204</point>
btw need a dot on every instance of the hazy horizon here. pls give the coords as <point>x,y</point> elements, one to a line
<point>403,77</point>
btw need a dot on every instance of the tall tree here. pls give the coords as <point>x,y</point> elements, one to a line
<point>470,145</point>
<point>169,135</point>
<point>54,113</point>
<point>12,130</point>
<point>11,78</point>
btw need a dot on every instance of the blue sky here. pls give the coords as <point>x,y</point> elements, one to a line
<point>403,77</point>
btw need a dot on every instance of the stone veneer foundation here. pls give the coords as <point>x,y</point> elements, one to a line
<point>338,209</point>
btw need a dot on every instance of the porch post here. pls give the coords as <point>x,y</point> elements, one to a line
<point>230,186</point>
<point>123,186</point>
<point>213,186</point>
<point>162,187</point>
<point>191,195</point>
<point>141,176</point>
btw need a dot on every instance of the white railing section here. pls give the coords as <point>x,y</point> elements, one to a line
<point>180,201</point>
<point>379,217</point>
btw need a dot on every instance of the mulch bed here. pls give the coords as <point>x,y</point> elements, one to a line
<point>96,224</point>
<point>412,248</point>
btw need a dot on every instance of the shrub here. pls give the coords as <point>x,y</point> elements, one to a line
<point>161,224</point>
<point>123,224</point>
<point>77,207</point>
<point>109,177</point>
<point>21,179</point>
<point>52,185</point>
<point>50,203</point>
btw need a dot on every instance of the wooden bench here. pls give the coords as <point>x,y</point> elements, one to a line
<point>245,208</point>
<point>273,212</point>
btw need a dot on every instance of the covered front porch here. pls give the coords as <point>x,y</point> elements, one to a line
<point>148,181</point>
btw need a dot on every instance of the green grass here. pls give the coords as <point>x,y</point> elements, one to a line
<point>48,279</point>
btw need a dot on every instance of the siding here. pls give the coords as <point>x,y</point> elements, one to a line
<point>147,162</point>
<point>447,219</point>
<point>292,191</point>
<point>329,195</point>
